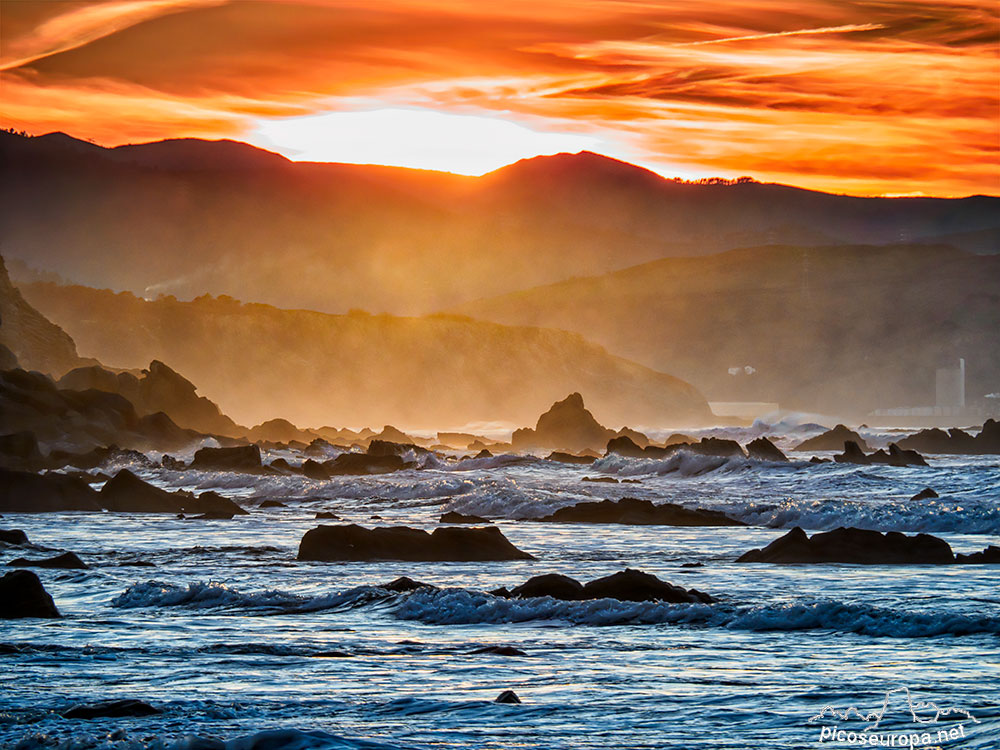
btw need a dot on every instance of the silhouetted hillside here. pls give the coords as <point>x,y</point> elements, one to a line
<point>37,343</point>
<point>186,217</point>
<point>259,362</point>
<point>833,329</point>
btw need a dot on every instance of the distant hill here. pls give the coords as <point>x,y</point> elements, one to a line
<point>843,329</point>
<point>258,362</point>
<point>188,217</point>
<point>35,342</point>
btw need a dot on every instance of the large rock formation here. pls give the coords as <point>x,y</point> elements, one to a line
<point>850,545</point>
<point>763,449</point>
<point>33,340</point>
<point>632,511</point>
<point>31,402</point>
<point>241,458</point>
<point>351,542</point>
<point>24,492</point>
<point>159,389</point>
<point>987,441</point>
<point>832,440</point>
<point>566,426</point>
<point>22,595</point>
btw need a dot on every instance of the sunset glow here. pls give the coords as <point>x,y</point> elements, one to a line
<point>862,97</point>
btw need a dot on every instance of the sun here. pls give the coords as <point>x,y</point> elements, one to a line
<point>412,137</point>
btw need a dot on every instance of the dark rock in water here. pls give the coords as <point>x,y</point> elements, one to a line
<point>570,458</point>
<point>895,457</point>
<point>241,458</point>
<point>600,480</point>
<point>67,561</point>
<point>362,463</point>
<point>389,448</point>
<point>403,584</point>
<point>635,586</point>
<point>627,447</point>
<point>23,492</point>
<point>850,545</point>
<point>507,696</point>
<point>566,426</point>
<point>627,585</point>
<point>763,449</point>
<point>484,453</point>
<point>956,440</point>
<point>630,510</point>
<point>169,462</point>
<point>111,710</point>
<point>272,504</point>
<point>22,595</point>
<point>989,556</point>
<point>554,585</point>
<point>281,465</point>
<point>137,564</point>
<point>832,440</point>
<point>327,515</point>
<point>315,470</point>
<point>711,446</point>
<point>693,565</point>
<point>925,494</point>
<point>214,504</point>
<point>447,543</point>
<point>453,517</point>
<point>13,536</point>
<point>499,651</point>
<point>126,493</point>
<point>818,460</point>
<point>211,516</point>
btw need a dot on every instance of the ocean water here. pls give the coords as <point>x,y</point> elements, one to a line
<point>240,643</point>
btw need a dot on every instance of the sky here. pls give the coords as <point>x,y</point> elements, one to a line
<point>866,97</point>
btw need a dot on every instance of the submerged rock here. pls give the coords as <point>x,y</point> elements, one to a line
<point>352,542</point>
<point>989,556</point>
<point>67,561</point>
<point>632,511</point>
<point>925,494</point>
<point>851,545</point>
<point>111,709</point>
<point>22,595</point>
<point>499,651</point>
<point>507,696</point>
<point>453,517</point>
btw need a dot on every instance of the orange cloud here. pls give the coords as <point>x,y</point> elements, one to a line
<point>858,96</point>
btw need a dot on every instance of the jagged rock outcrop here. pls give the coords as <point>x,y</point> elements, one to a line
<point>632,511</point>
<point>763,449</point>
<point>159,389</point>
<point>987,441</point>
<point>566,426</point>
<point>832,440</point>
<point>446,543</point>
<point>850,545</point>
<point>895,456</point>
<point>33,340</point>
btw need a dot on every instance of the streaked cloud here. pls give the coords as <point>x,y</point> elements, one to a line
<point>861,96</point>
